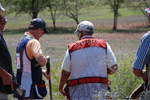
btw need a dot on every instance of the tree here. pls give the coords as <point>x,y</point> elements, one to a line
<point>54,7</point>
<point>72,8</point>
<point>140,5</point>
<point>32,7</point>
<point>115,5</point>
<point>5,4</point>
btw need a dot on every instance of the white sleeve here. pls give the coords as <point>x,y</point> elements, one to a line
<point>66,62</point>
<point>111,59</point>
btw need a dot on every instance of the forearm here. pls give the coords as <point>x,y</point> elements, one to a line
<point>2,71</point>
<point>44,62</point>
<point>41,60</point>
<point>64,77</point>
<point>6,77</point>
<point>140,73</point>
<point>143,75</point>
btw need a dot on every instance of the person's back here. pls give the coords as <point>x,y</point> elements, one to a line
<point>87,62</point>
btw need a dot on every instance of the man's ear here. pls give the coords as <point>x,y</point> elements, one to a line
<point>80,34</point>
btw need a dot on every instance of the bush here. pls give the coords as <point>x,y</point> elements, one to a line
<point>123,82</point>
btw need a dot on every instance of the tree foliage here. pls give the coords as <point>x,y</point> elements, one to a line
<point>6,5</point>
<point>115,5</point>
<point>31,7</point>
<point>54,6</point>
<point>140,5</point>
<point>72,8</point>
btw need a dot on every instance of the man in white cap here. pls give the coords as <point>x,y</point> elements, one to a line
<point>6,71</point>
<point>87,62</point>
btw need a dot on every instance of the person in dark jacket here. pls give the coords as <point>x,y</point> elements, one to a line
<point>6,71</point>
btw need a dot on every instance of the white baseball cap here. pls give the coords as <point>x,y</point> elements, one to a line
<point>85,26</point>
<point>2,8</point>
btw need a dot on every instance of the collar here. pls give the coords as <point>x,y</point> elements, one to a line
<point>27,33</point>
<point>87,36</point>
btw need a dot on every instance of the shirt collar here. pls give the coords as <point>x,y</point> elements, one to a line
<point>87,36</point>
<point>27,33</point>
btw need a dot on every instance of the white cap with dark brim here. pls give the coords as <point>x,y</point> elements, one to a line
<point>85,26</point>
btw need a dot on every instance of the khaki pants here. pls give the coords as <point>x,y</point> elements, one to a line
<point>3,96</point>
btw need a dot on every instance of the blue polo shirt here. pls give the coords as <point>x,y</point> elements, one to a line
<point>143,53</point>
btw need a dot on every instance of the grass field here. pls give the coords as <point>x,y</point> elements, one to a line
<point>92,14</point>
<point>124,42</point>
<point>123,45</point>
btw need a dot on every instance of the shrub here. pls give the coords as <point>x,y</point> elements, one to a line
<point>123,82</point>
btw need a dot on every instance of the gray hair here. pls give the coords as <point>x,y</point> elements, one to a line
<point>88,32</point>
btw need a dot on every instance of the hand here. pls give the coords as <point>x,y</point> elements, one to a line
<point>48,76</point>
<point>140,73</point>
<point>112,69</point>
<point>62,92</point>
<point>7,79</point>
<point>63,79</point>
<point>144,76</point>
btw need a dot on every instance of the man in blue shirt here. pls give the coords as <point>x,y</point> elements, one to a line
<point>142,57</point>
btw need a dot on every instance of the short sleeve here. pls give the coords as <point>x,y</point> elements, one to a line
<point>143,52</point>
<point>111,59</point>
<point>34,49</point>
<point>66,65</point>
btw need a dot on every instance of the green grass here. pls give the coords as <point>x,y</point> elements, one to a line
<point>21,21</point>
<point>123,82</point>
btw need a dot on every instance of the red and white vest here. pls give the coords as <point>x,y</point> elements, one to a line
<point>88,59</point>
